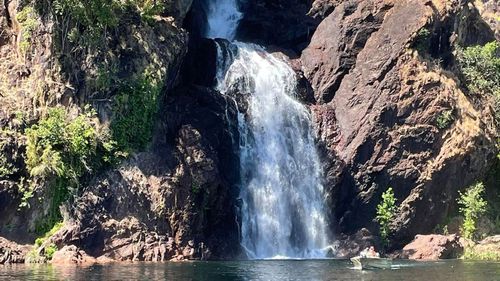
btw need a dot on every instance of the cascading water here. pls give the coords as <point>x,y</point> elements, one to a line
<point>223,17</point>
<point>283,212</point>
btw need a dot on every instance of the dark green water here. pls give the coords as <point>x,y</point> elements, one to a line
<point>258,270</point>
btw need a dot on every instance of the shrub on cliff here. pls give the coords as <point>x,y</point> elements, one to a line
<point>60,152</point>
<point>480,66</point>
<point>472,206</point>
<point>91,20</point>
<point>386,210</point>
<point>135,109</point>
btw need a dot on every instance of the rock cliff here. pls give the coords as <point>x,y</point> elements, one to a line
<point>380,94</point>
<point>381,78</point>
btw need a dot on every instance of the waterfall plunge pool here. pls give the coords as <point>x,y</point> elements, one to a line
<point>456,270</point>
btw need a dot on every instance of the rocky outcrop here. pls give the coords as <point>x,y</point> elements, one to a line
<point>46,74</point>
<point>486,249</point>
<point>284,23</point>
<point>490,11</point>
<point>11,252</point>
<point>350,246</point>
<point>69,255</point>
<point>378,75</point>
<point>380,97</point>
<point>176,202</point>
<point>433,247</point>
<point>337,42</point>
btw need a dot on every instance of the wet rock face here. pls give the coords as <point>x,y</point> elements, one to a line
<point>379,100</point>
<point>433,247</point>
<point>176,202</point>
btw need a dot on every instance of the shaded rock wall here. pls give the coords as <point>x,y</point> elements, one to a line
<point>175,202</point>
<point>284,23</point>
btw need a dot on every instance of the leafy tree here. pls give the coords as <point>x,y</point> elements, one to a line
<point>481,68</point>
<point>386,210</point>
<point>472,206</point>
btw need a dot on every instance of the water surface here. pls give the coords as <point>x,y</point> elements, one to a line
<point>258,270</point>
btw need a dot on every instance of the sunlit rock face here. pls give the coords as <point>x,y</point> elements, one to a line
<point>379,97</point>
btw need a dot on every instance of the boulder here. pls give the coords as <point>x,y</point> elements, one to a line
<point>348,246</point>
<point>489,244</point>
<point>11,252</point>
<point>433,247</point>
<point>71,255</point>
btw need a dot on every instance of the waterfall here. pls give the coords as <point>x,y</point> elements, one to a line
<point>283,211</point>
<point>223,17</point>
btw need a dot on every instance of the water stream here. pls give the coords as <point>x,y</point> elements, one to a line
<point>283,212</point>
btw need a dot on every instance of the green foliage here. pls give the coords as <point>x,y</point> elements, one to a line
<point>445,119</point>
<point>58,147</point>
<point>472,205</point>
<point>60,152</point>
<point>481,68</point>
<point>421,41</point>
<point>134,112</point>
<point>386,210</point>
<point>195,187</point>
<point>91,18</point>
<point>472,254</point>
<point>55,228</point>
<point>28,22</point>
<point>148,8</point>
<point>6,168</point>
<point>49,251</point>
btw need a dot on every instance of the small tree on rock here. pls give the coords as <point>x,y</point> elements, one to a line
<point>386,210</point>
<point>472,206</point>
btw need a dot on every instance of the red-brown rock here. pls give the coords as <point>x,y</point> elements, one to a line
<point>11,252</point>
<point>72,255</point>
<point>433,247</point>
<point>379,101</point>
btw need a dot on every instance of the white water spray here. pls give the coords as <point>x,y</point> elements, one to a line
<point>223,17</point>
<point>283,212</point>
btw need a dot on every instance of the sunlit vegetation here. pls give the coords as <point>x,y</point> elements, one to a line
<point>28,23</point>
<point>386,210</point>
<point>445,119</point>
<point>61,151</point>
<point>472,206</point>
<point>480,66</point>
